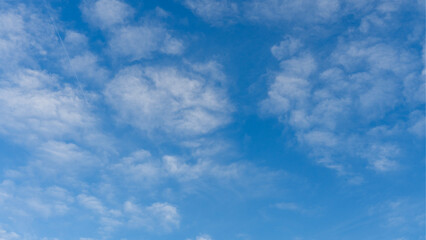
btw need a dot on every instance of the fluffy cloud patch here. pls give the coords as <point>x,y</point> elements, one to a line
<point>23,35</point>
<point>35,106</point>
<point>91,203</point>
<point>286,48</point>
<point>164,215</point>
<point>106,13</point>
<point>137,42</point>
<point>214,11</point>
<point>170,100</point>
<point>129,39</point>
<point>35,103</point>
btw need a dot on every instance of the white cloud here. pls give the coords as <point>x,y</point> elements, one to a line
<point>159,216</point>
<point>54,120</point>
<point>80,62</point>
<point>290,206</point>
<point>331,105</point>
<point>66,160</point>
<point>210,69</point>
<point>378,55</point>
<point>384,164</point>
<point>300,12</point>
<point>290,90</point>
<point>139,167</point>
<point>168,99</point>
<point>286,48</point>
<point>127,38</point>
<point>106,13</point>
<point>34,106</point>
<point>299,66</point>
<point>399,215</point>
<point>164,215</point>
<point>5,235</point>
<point>320,138</point>
<point>156,217</point>
<point>26,201</point>
<point>24,34</point>
<point>214,11</point>
<point>209,147</point>
<point>91,203</point>
<point>137,42</point>
<point>414,87</point>
<point>75,40</point>
<point>381,157</point>
<point>286,93</point>
<point>109,219</point>
<point>202,237</point>
<point>304,10</point>
<point>190,174</point>
<point>148,171</point>
<point>86,67</point>
<point>417,123</point>
<point>327,8</point>
<point>183,171</point>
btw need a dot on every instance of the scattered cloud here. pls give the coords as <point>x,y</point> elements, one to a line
<point>5,235</point>
<point>332,104</point>
<point>286,48</point>
<point>91,203</point>
<point>290,206</point>
<point>106,13</point>
<point>160,216</point>
<point>27,201</point>
<point>214,11</point>
<point>36,107</point>
<point>137,42</point>
<point>306,10</point>
<point>227,11</point>
<point>129,39</point>
<point>401,215</point>
<point>168,99</point>
<point>148,171</point>
<point>202,237</point>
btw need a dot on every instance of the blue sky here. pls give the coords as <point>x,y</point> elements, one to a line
<point>212,120</point>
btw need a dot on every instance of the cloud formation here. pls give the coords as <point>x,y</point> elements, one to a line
<point>127,39</point>
<point>165,98</point>
<point>106,13</point>
<point>332,105</point>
